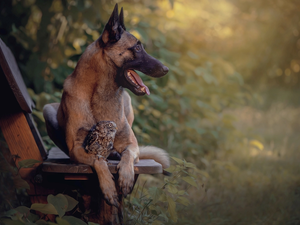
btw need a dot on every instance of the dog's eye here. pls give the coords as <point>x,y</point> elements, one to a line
<point>137,48</point>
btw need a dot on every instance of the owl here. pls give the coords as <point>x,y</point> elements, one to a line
<point>100,139</point>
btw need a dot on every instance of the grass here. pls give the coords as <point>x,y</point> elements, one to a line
<point>251,185</point>
<point>256,182</point>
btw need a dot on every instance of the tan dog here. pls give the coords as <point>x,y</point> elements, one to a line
<point>95,92</point>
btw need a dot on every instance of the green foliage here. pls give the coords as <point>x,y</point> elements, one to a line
<point>156,205</point>
<point>57,205</point>
<point>27,163</point>
<point>13,193</point>
<point>185,107</point>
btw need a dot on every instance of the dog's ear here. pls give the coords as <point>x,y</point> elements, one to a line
<point>121,19</point>
<point>113,30</point>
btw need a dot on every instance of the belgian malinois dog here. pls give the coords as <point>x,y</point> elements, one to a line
<point>95,92</point>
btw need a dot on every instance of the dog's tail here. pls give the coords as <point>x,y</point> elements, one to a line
<point>157,154</point>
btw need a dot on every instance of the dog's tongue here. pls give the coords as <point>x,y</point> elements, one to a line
<point>140,82</point>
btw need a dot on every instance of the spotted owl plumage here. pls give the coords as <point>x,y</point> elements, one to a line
<point>100,139</point>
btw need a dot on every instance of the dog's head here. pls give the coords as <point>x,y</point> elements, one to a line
<point>128,54</point>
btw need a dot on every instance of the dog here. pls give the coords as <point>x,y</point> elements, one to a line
<point>95,92</point>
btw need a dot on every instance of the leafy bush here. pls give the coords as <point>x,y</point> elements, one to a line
<point>57,205</point>
<point>158,205</point>
<point>185,111</point>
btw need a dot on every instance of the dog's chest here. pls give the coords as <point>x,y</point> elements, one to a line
<point>111,110</point>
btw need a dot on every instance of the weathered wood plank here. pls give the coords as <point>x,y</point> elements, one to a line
<point>14,78</point>
<point>59,162</point>
<point>36,135</point>
<point>18,136</point>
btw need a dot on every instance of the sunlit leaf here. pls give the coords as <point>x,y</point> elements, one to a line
<point>44,208</point>
<point>190,180</point>
<point>61,221</point>
<point>191,165</point>
<point>172,189</point>
<point>179,161</point>
<point>257,144</point>
<point>172,209</point>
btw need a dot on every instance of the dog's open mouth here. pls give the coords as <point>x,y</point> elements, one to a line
<point>136,81</point>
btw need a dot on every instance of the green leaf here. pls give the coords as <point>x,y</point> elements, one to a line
<point>20,183</point>
<point>6,221</point>
<point>13,214</point>
<point>61,221</point>
<point>44,208</point>
<point>170,169</point>
<point>183,200</point>
<point>23,209</point>
<point>27,163</point>
<point>157,222</point>
<point>60,203</point>
<point>190,165</point>
<point>172,189</point>
<point>209,78</point>
<point>30,223</point>
<point>179,161</point>
<point>154,193</point>
<point>73,220</point>
<point>172,209</point>
<point>71,203</point>
<point>181,192</point>
<point>136,202</point>
<point>257,144</point>
<point>39,115</point>
<point>190,180</point>
<point>41,222</point>
<point>33,217</point>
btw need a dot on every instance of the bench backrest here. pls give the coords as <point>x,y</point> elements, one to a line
<point>16,122</point>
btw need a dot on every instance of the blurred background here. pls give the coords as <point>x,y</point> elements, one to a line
<point>230,103</point>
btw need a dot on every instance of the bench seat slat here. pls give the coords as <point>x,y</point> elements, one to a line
<point>59,162</point>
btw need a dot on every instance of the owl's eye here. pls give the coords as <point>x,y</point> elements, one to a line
<point>110,125</point>
<point>138,48</point>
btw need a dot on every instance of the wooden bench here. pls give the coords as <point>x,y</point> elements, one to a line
<point>56,173</point>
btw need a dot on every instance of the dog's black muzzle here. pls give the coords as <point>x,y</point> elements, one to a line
<point>146,64</point>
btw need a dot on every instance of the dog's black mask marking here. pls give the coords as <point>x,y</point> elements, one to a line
<point>140,60</point>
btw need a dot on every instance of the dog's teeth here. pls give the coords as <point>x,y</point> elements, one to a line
<point>143,89</point>
<point>130,76</point>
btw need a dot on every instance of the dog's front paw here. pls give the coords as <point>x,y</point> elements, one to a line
<point>106,181</point>
<point>126,177</point>
<point>110,193</point>
<point>111,198</point>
